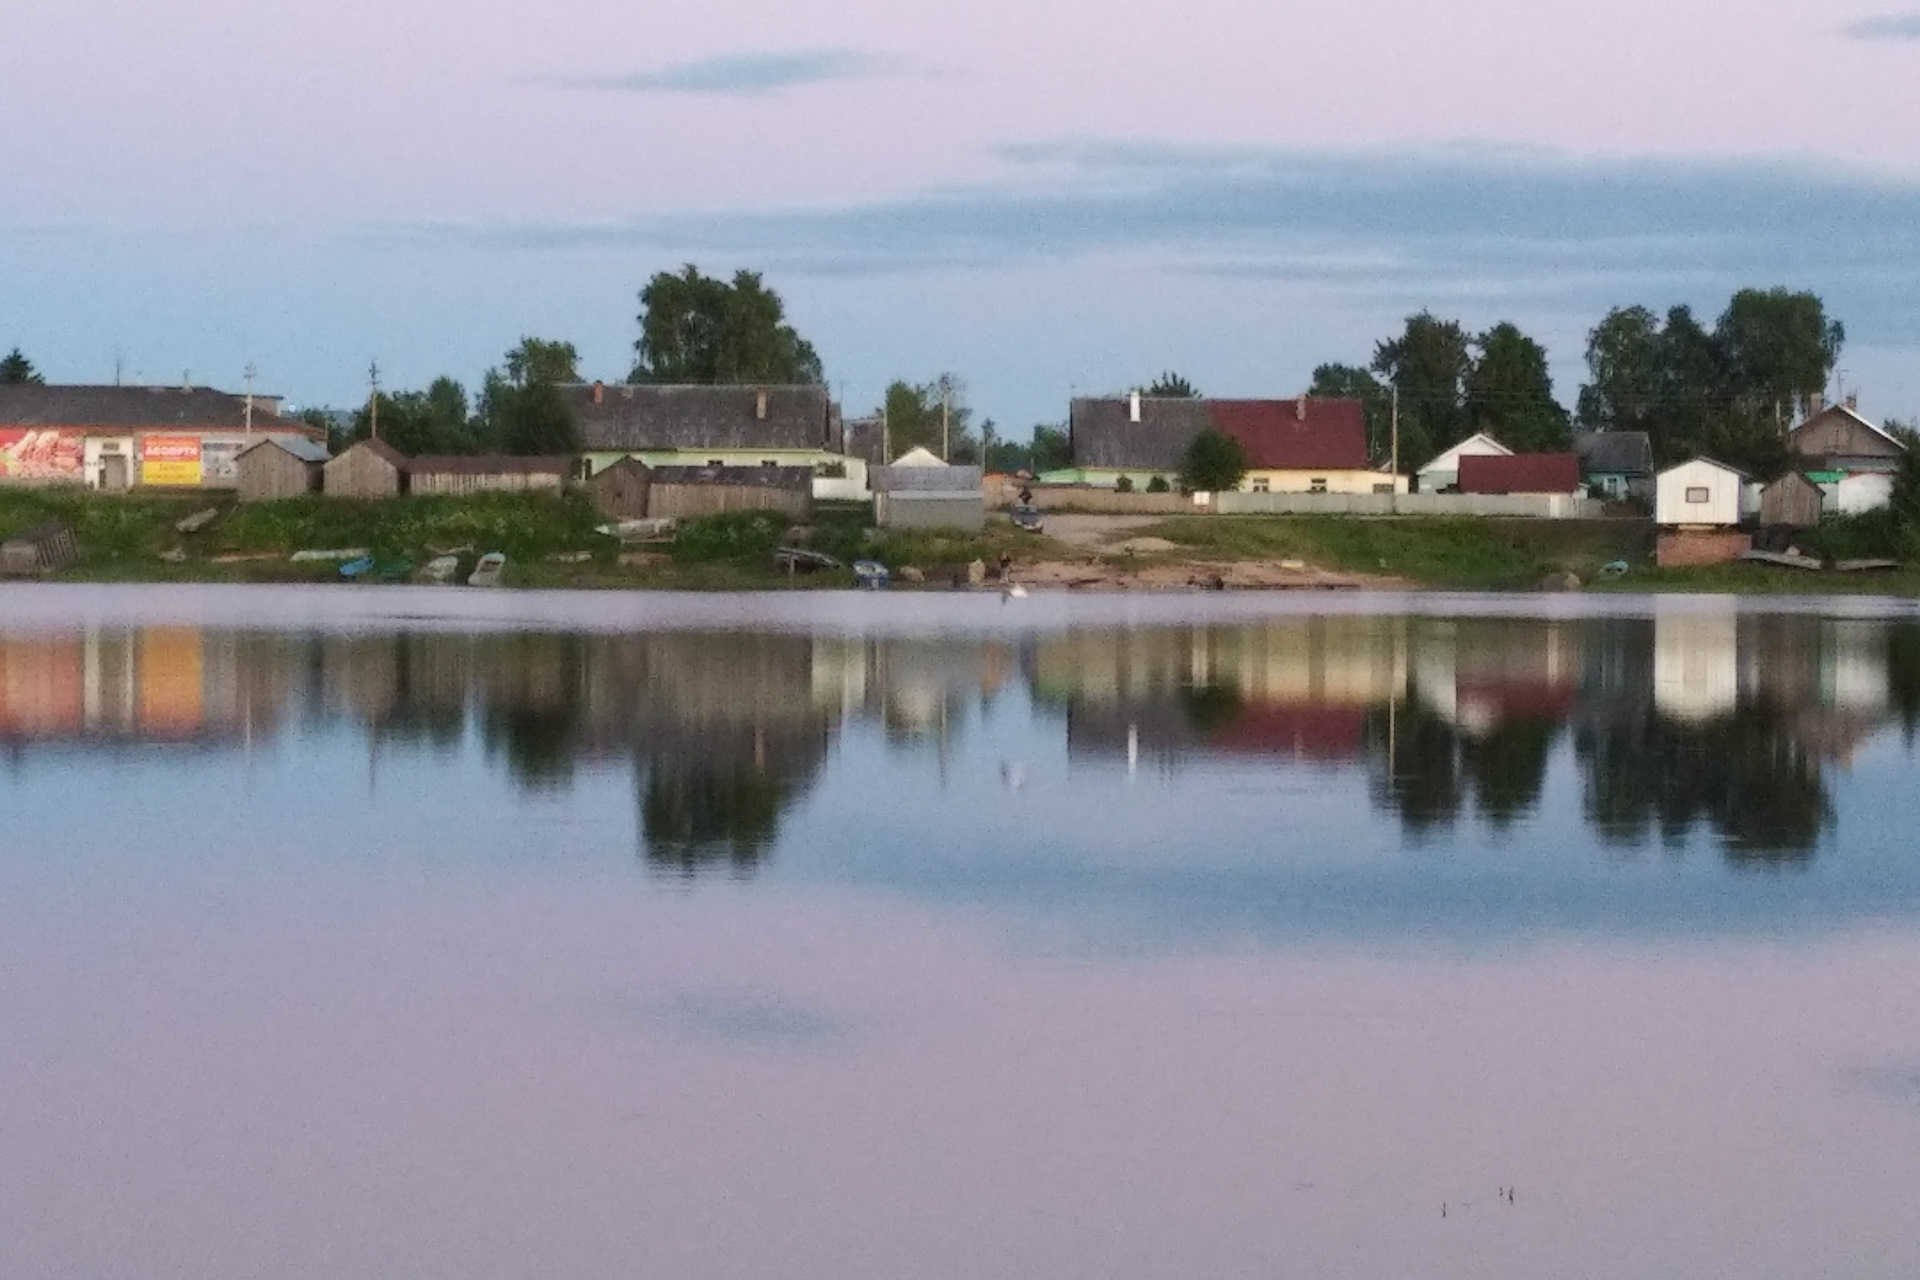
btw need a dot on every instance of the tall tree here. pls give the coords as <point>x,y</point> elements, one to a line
<point>1214,463</point>
<point>694,329</point>
<point>1509,393</point>
<point>15,369</point>
<point>913,413</point>
<point>1624,356</point>
<point>1780,350</point>
<point>539,360</point>
<point>1351,382</point>
<point>522,410</point>
<point>1428,363</point>
<point>1051,447</point>
<point>1172,386</point>
<point>420,422</point>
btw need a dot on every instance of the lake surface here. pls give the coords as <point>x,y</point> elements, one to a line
<point>363,932</point>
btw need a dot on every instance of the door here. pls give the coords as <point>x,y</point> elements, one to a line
<point>113,472</point>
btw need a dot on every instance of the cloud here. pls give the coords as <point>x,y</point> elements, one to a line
<point>1891,26</point>
<point>739,75</point>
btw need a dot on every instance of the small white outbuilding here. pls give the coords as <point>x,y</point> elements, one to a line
<point>1700,493</point>
<point>1443,471</point>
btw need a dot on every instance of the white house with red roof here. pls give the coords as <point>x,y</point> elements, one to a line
<point>1300,445</point>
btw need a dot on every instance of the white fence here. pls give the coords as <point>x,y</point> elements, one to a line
<point>1536,506</point>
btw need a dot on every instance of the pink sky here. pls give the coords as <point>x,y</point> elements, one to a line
<point>290,135</point>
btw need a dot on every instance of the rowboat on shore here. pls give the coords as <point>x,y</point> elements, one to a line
<point>487,572</point>
<point>357,568</point>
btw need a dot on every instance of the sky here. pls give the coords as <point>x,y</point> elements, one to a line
<point>1044,197</point>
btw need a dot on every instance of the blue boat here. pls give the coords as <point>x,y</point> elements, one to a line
<point>871,574</point>
<point>357,568</point>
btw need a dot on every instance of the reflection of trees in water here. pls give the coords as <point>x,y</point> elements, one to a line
<point>1903,676</point>
<point>1744,774</point>
<point>1427,768</point>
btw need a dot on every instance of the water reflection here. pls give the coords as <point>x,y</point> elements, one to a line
<point>1729,722</point>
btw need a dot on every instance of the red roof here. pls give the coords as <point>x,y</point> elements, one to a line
<point>1304,434</point>
<point>1520,473</point>
<point>1310,731</point>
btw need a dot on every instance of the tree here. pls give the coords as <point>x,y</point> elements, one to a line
<point>16,369</point>
<point>422,422</point>
<point>1172,386</point>
<point>913,414</point>
<point>536,420</point>
<point>1624,359</point>
<point>537,360</point>
<point>699,330</point>
<point>522,410</point>
<point>1351,382</point>
<point>1428,363</point>
<point>1780,350</point>
<point>1509,393</point>
<point>1051,447</point>
<point>1214,463</point>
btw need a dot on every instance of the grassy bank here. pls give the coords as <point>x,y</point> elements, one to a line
<point>549,542</point>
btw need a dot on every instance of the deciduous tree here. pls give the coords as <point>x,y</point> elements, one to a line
<point>1214,463</point>
<point>1509,393</point>
<point>694,329</point>
<point>913,414</point>
<point>1429,363</point>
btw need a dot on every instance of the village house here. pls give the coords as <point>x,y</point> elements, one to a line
<point>1618,464</point>
<point>369,469</point>
<point>1840,438</point>
<point>1540,474</point>
<point>114,438</point>
<point>1442,472</point>
<point>1301,445</point>
<point>715,426</point>
<point>682,492</point>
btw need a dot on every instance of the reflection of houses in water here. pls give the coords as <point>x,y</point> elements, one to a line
<point>1476,673</point>
<point>152,684</point>
<point>1295,688</point>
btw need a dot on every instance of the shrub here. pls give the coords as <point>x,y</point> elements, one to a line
<point>1158,485</point>
<point>1215,463</point>
<point>1123,485</point>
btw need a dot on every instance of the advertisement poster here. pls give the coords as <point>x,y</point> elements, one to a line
<point>170,460</point>
<point>48,456</point>
<point>217,465</point>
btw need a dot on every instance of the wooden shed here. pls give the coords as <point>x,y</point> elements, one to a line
<point>619,492</point>
<point>280,467</point>
<point>680,492</point>
<point>489,473</point>
<point>1792,501</point>
<point>370,469</point>
<point>39,550</point>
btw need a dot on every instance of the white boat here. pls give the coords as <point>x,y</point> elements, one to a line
<point>440,569</point>
<point>487,572</point>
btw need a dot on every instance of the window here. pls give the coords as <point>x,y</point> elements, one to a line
<point>1260,484</point>
<point>1697,493</point>
<point>716,462</point>
<point>768,462</point>
<point>1317,485</point>
<point>1383,488</point>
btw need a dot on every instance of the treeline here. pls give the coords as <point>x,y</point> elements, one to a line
<point>1729,392</point>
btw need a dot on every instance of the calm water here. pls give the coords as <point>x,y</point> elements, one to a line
<point>415,933</point>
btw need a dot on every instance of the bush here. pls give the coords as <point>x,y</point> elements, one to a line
<point>1158,485</point>
<point>1215,463</point>
<point>1123,485</point>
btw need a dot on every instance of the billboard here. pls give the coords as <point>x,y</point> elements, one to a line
<point>173,460</point>
<point>217,465</point>
<point>45,456</point>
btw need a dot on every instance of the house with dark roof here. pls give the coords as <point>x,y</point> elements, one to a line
<point>1520,473</point>
<point>714,426</point>
<point>1617,463</point>
<point>115,437</point>
<point>1302,445</point>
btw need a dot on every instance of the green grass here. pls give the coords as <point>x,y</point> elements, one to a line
<point>1456,552</point>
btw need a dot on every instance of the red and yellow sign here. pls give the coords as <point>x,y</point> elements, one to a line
<point>45,455</point>
<point>170,460</point>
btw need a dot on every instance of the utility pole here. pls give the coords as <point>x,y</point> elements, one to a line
<point>251,371</point>
<point>373,400</point>
<point>1396,437</point>
<point>946,402</point>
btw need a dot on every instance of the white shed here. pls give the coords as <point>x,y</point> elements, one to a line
<point>1700,493</point>
<point>1443,472</point>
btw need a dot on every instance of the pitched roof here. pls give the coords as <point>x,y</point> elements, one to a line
<point>1448,459</point>
<point>1711,462</point>
<point>909,478</point>
<point>1615,452</point>
<point>1520,473</point>
<point>491,464</point>
<point>138,408</point>
<point>702,417</point>
<point>299,446</point>
<point>755,477</point>
<point>1103,436</point>
<point>379,449</point>
<point>1303,434</point>
<point>1853,415</point>
<point>864,438</point>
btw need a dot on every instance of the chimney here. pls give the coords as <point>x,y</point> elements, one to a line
<point>1300,408</point>
<point>599,391</point>
<point>760,404</point>
<point>1133,407</point>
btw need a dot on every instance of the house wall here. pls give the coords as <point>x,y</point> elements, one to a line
<point>268,474</point>
<point>851,487</point>
<point>966,513</point>
<point>1333,481</point>
<point>1838,437</point>
<point>361,473</point>
<point>681,501</point>
<point>1049,497</point>
<point>457,482</point>
<point>1443,472</point>
<point>1700,546</point>
<point>1524,505</point>
<point>1722,493</point>
<point>1863,492</point>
